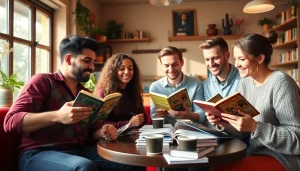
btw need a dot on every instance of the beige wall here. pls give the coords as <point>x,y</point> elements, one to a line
<point>64,23</point>
<point>158,21</point>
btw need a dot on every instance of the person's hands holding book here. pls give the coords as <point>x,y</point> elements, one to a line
<point>137,119</point>
<point>160,113</point>
<point>71,115</point>
<point>244,123</point>
<point>213,119</point>
<point>185,114</point>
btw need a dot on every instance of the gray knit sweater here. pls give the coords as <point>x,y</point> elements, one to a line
<point>278,125</point>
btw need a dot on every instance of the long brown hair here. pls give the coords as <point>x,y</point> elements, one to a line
<point>108,80</point>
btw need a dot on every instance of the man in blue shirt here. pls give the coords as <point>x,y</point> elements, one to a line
<point>223,77</point>
<point>172,62</point>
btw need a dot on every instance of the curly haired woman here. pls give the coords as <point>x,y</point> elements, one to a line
<point>121,74</point>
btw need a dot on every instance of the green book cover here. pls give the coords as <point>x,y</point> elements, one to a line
<point>101,106</point>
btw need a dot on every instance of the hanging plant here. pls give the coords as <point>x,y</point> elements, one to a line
<point>83,18</point>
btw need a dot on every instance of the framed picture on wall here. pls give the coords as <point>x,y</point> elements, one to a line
<point>184,22</point>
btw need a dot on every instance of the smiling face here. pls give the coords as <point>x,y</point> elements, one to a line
<point>245,66</point>
<point>171,65</point>
<point>125,72</point>
<point>215,60</point>
<point>83,65</point>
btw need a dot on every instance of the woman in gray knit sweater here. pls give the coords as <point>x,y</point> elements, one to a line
<point>276,131</point>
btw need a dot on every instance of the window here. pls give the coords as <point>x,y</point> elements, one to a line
<point>27,26</point>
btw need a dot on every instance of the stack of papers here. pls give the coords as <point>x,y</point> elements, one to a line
<point>181,160</point>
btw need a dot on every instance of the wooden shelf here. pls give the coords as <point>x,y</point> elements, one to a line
<point>291,63</point>
<point>99,63</point>
<point>290,44</point>
<point>286,25</point>
<point>128,40</point>
<point>188,38</point>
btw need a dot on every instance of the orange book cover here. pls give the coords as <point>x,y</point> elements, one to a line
<point>230,104</point>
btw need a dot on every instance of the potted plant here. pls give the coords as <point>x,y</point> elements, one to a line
<point>7,83</point>
<point>98,33</point>
<point>114,29</point>
<point>293,4</point>
<point>83,18</point>
<point>266,23</point>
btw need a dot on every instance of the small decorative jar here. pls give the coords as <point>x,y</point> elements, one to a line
<point>212,30</point>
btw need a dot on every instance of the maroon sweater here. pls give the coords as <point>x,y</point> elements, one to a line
<point>42,93</point>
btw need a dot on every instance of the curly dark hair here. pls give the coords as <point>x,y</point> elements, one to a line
<point>109,81</point>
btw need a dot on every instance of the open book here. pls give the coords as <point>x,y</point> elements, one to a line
<point>230,105</point>
<point>174,101</point>
<point>204,139</point>
<point>101,106</point>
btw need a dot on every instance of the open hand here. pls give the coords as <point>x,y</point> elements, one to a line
<point>71,115</point>
<point>137,120</point>
<point>244,123</point>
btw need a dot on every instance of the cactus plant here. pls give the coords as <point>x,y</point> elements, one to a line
<point>227,26</point>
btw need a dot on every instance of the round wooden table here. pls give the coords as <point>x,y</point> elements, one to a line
<point>125,151</point>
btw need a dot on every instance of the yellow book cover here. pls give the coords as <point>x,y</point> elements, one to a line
<point>230,104</point>
<point>101,106</point>
<point>215,98</point>
<point>174,101</point>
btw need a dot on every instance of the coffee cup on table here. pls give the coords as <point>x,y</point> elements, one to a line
<point>154,143</point>
<point>187,143</point>
<point>158,122</point>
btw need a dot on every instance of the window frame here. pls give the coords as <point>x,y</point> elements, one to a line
<point>34,5</point>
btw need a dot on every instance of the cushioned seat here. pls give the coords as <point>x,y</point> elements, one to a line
<point>251,163</point>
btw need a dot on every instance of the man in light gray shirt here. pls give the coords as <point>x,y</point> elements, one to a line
<point>172,62</point>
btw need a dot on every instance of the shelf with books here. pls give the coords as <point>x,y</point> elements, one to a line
<point>191,38</point>
<point>290,63</point>
<point>128,40</point>
<point>286,56</point>
<point>289,44</point>
<point>286,25</point>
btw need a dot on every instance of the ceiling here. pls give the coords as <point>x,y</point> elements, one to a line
<point>131,2</point>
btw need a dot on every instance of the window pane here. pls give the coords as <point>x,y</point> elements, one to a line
<point>21,64</point>
<point>4,16</point>
<point>42,61</point>
<point>3,60</point>
<point>22,21</point>
<point>42,28</point>
<point>21,61</point>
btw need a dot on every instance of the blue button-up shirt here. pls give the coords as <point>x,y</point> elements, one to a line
<point>193,86</point>
<point>211,85</point>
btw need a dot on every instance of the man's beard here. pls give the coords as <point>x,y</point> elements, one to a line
<point>78,73</point>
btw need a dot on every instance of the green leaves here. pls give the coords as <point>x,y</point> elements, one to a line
<point>10,82</point>
<point>90,84</point>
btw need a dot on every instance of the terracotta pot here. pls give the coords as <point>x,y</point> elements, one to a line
<point>97,37</point>
<point>6,97</point>
<point>266,27</point>
<point>212,30</point>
